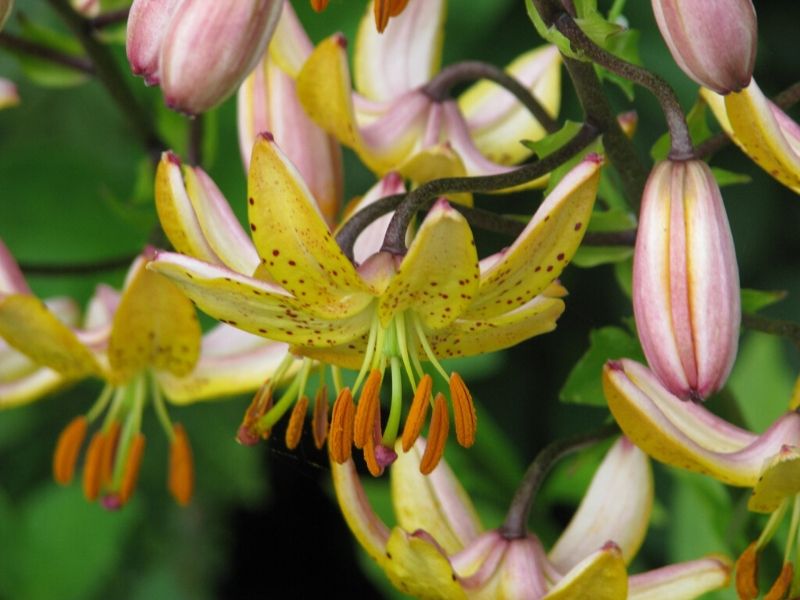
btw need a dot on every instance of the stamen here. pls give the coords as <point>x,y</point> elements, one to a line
<point>261,404</point>
<point>417,413</point>
<point>369,352</point>
<point>109,450</point>
<point>382,14</point>
<point>427,348</point>
<point>747,573</point>
<point>466,420</point>
<point>319,423</point>
<point>132,466</point>
<point>340,442</point>
<point>92,467</point>
<point>294,430</point>
<point>437,436</point>
<point>396,405</point>
<point>319,5</point>
<point>396,7</point>
<point>780,588</point>
<point>402,344</point>
<point>180,482</point>
<point>373,466</point>
<point>368,408</point>
<point>69,444</point>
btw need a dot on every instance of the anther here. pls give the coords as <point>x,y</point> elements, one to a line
<point>747,573</point>
<point>108,452</point>
<point>417,413</point>
<point>319,423</point>
<point>368,408</point>
<point>92,467</point>
<point>294,430</point>
<point>180,480</point>
<point>319,5</point>
<point>466,421</point>
<point>340,439</point>
<point>66,454</point>
<point>131,472</point>
<point>370,457</point>
<point>780,588</point>
<point>261,403</point>
<point>382,13</point>
<point>437,436</point>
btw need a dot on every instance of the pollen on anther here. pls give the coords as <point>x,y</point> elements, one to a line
<point>466,421</point>
<point>92,467</point>
<point>181,467</point>
<point>368,408</point>
<point>437,436</point>
<point>417,413</point>
<point>340,437</point>
<point>319,422</point>
<point>294,429</point>
<point>69,444</point>
<point>131,472</point>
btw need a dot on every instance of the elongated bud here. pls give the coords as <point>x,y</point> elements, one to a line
<point>685,280</point>
<point>147,24</point>
<point>713,41</point>
<point>210,47</point>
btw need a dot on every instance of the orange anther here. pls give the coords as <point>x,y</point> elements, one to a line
<point>67,448</point>
<point>92,467</point>
<point>319,5</point>
<point>417,413</point>
<point>385,9</point>
<point>466,421</point>
<point>396,7</point>
<point>180,481</point>
<point>319,424</point>
<point>110,440</point>
<point>368,408</point>
<point>295,427</point>
<point>261,403</point>
<point>340,439</point>
<point>374,468</point>
<point>131,471</point>
<point>437,436</point>
<point>780,588</point>
<point>747,573</point>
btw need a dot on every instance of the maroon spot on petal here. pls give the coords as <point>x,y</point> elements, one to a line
<point>578,226</point>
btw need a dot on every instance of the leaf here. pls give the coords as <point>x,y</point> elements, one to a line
<point>551,34</point>
<point>725,177</point>
<point>583,385</point>
<point>615,219</point>
<point>43,72</point>
<point>754,300</point>
<point>623,272</point>
<point>594,256</point>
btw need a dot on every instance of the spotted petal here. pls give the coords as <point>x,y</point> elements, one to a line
<point>683,580</point>
<point>544,247</point>
<point>685,434</point>
<point>417,566</point>
<point>439,275</point>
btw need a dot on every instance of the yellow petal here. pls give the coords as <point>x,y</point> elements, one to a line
<point>436,162</point>
<point>681,581</point>
<point>438,277</point>
<point>27,325</point>
<point>467,337</point>
<point>495,117</point>
<point>544,248</point>
<point>600,576</point>
<point>779,480</point>
<point>155,325</point>
<point>290,45</point>
<point>256,306</point>
<point>417,567</point>
<point>29,387</point>
<point>295,245</point>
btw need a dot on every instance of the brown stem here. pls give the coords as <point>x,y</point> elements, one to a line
<point>19,45</point>
<point>786,329</point>
<point>109,264</point>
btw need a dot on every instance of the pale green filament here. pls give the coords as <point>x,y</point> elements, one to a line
<point>101,403</point>
<point>337,379</point>
<point>117,406</point>
<point>792,529</point>
<point>135,394</point>
<point>402,342</point>
<point>772,525</point>
<point>371,343</point>
<point>161,409</point>
<point>428,351</point>
<point>290,396</point>
<point>396,407</point>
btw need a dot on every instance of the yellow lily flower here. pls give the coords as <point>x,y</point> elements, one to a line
<point>294,284</point>
<point>762,130</point>
<point>438,549</point>
<point>394,124</point>
<point>146,343</point>
<point>686,435</point>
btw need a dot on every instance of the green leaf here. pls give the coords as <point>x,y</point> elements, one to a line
<point>551,34</point>
<point>623,272</point>
<point>725,177</point>
<point>584,385</point>
<point>43,72</point>
<point>594,256</point>
<point>615,219</point>
<point>754,300</point>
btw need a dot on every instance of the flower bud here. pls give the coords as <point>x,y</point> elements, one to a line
<point>147,24</point>
<point>685,280</point>
<point>713,41</point>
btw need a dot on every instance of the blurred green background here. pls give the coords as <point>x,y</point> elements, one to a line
<point>75,187</point>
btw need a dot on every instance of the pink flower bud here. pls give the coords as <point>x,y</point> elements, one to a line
<point>685,280</point>
<point>198,50</point>
<point>713,41</point>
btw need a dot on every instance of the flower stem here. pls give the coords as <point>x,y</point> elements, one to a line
<point>394,241</point>
<point>786,329</point>
<point>110,264</point>
<point>439,87</point>
<point>19,45</point>
<point>516,523</point>
<point>107,19</point>
<point>195,142</point>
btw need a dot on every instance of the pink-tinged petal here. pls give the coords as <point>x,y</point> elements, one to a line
<point>714,42</point>
<point>290,45</point>
<point>9,96</point>
<point>101,308</point>
<point>147,24</point>
<point>660,424</point>
<point>458,135</point>
<point>600,576</point>
<point>681,581</point>
<point>370,240</point>
<point>210,47</point>
<point>496,119</point>
<point>12,281</point>
<point>476,564</point>
<point>30,387</point>
<point>403,57</point>
<point>435,503</point>
<point>616,507</point>
<point>521,573</point>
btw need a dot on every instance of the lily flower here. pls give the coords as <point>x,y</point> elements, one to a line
<point>762,130</point>
<point>294,284</point>
<point>146,344</point>
<point>686,435</point>
<point>394,123</point>
<point>439,549</point>
<point>382,9</point>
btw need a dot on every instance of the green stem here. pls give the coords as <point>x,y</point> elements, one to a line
<point>786,329</point>
<point>19,45</point>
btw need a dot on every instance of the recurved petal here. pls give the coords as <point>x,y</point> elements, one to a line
<point>295,244</point>
<point>682,581</point>
<point>29,387</point>
<point>370,240</point>
<point>600,576</point>
<point>231,361</point>
<point>685,434</point>
<point>256,306</point>
<point>545,246</point>
<point>405,56</point>
<point>467,337</point>
<point>155,325</point>
<point>439,275</point>
<point>779,480</point>
<point>435,503</point>
<point>290,45</point>
<point>519,575</point>
<point>12,281</point>
<point>496,119</point>
<point>28,325</point>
